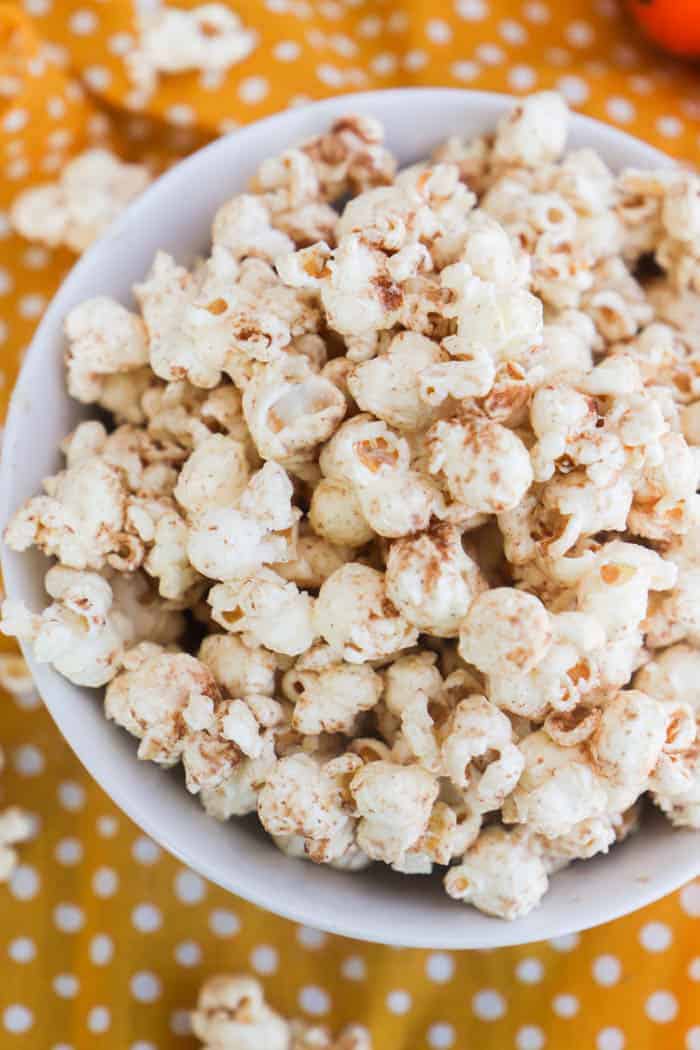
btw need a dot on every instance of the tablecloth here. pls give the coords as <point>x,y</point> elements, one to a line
<point>104,939</point>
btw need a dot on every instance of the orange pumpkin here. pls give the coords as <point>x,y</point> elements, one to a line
<point>673,24</point>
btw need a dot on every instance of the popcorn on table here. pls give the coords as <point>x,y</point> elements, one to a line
<point>93,190</point>
<point>394,536</point>
<point>232,1014</point>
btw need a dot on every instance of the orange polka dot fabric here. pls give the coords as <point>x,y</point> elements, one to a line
<point>104,939</point>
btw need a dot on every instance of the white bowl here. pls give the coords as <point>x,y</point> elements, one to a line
<point>376,905</point>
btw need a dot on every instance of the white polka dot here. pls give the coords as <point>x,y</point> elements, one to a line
<point>694,968</point>
<point>438,31</point>
<point>188,953</point>
<point>5,228</point>
<point>97,77</point>
<point>14,120</point>
<point>120,43</point>
<point>691,107</point>
<point>606,970</point>
<point>343,45</point>
<point>35,258</point>
<point>68,851</point>
<point>146,918</point>
<point>180,1023</point>
<point>105,882</point>
<point>189,887</point>
<point>9,85</point>
<point>101,949</point>
<point>31,306</point>
<point>21,950</point>
<point>641,84</point>
<point>383,65</point>
<point>353,968</point>
<point>37,8</point>
<point>309,937</point>
<point>529,1037</point>
<point>286,51</point>
<point>61,1046</point>
<point>17,1019</point>
<point>253,90</point>
<point>441,1035</point>
<point>398,1001</point>
<point>141,1045</point>
<point>52,162</point>
<point>521,78</point>
<point>414,59</point>
<point>314,1000</point>
<point>6,284</point>
<point>536,12</point>
<point>56,107</point>
<point>28,761</point>
<point>574,89</point>
<point>661,1007</point>
<point>329,74</point>
<point>472,10</point>
<point>566,943</point>
<point>66,985</point>
<point>692,1038</point>
<point>24,883</point>
<point>82,23</point>
<point>145,987</point>
<point>69,918</point>
<point>529,971</point>
<point>398,22</point>
<point>671,127</point>
<point>491,54</point>
<point>512,32</point>
<point>71,795</point>
<point>59,138</point>
<point>557,56</point>
<point>440,967</point>
<point>180,115</point>
<point>655,936</point>
<point>690,899</point>
<point>99,1019</point>
<point>579,34</point>
<point>145,851</point>
<point>620,109</point>
<point>370,26</point>
<point>264,959</point>
<point>565,1005</point>
<point>489,1005</point>
<point>223,923</point>
<point>465,70</point>
<point>610,1039</point>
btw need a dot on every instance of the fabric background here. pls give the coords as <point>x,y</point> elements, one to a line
<point>104,940</point>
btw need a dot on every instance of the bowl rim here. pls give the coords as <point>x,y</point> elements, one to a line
<point>132,804</point>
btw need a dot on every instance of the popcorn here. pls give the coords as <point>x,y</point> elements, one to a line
<point>394,804</point>
<point>15,828</point>
<point>533,132</point>
<point>329,694</point>
<point>392,533</point>
<point>104,339</point>
<point>80,633</point>
<point>79,520</point>
<point>304,797</point>
<point>502,874</point>
<point>93,190</point>
<point>267,609</point>
<point>432,581</point>
<point>505,630</point>
<point>225,542</point>
<point>210,38</point>
<point>484,466</point>
<point>232,1014</point>
<point>355,615</point>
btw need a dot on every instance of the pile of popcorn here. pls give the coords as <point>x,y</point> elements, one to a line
<point>393,537</point>
<point>232,1014</point>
